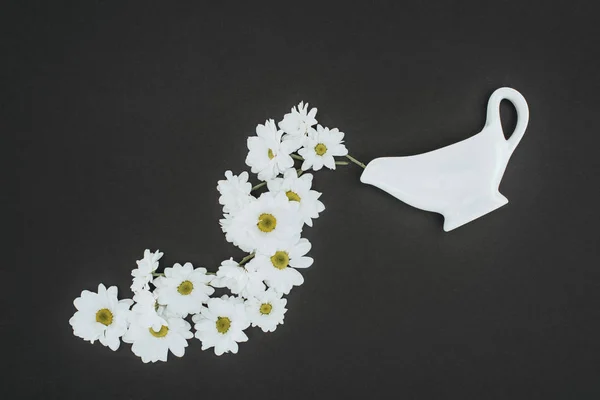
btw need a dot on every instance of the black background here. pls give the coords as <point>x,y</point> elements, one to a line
<point>126,114</point>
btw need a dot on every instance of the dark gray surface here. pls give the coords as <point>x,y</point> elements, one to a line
<point>126,115</point>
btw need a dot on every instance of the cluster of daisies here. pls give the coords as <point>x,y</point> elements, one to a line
<point>268,226</point>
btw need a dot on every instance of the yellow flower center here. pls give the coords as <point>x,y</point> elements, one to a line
<point>320,149</point>
<point>265,308</point>
<point>104,316</point>
<point>185,288</point>
<point>266,222</point>
<point>292,196</point>
<point>270,154</point>
<point>280,259</point>
<point>161,333</point>
<point>223,324</point>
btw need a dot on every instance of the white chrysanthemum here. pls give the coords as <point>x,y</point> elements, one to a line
<point>234,234</point>
<point>183,289</point>
<point>265,224</point>
<point>225,222</point>
<point>268,156</point>
<point>266,310</point>
<point>279,267</point>
<point>221,325</point>
<point>235,191</point>
<point>146,311</point>
<point>153,345</point>
<point>242,280</point>
<point>298,189</point>
<point>142,275</point>
<point>297,123</point>
<point>320,147</point>
<point>101,316</point>
<point>299,120</point>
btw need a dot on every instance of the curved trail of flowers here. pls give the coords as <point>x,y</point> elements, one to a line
<point>268,227</point>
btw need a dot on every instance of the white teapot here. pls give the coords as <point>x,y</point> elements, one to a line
<point>459,181</point>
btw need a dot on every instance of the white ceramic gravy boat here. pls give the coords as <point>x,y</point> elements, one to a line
<point>459,181</point>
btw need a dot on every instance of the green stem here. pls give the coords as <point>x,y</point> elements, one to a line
<point>246,259</point>
<point>341,163</point>
<point>258,186</point>
<point>297,157</point>
<point>355,161</point>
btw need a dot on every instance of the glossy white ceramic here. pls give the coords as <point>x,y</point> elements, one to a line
<point>459,181</point>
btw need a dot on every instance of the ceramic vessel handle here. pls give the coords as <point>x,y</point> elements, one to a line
<point>493,114</point>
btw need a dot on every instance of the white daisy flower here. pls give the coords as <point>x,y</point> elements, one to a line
<point>225,222</point>
<point>265,224</point>
<point>221,325</point>
<point>146,311</point>
<point>279,266</point>
<point>142,275</point>
<point>101,316</point>
<point>235,191</point>
<point>320,147</point>
<point>241,280</point>
<point>183,289</point>
<point>266,310</point>
<point>153,345</point>
<point>298,189</point>
<point>268,155</point>
<point>299,120</point>
<point>233,234</point>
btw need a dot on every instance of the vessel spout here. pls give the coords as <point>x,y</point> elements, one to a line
<point>372,173</point>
